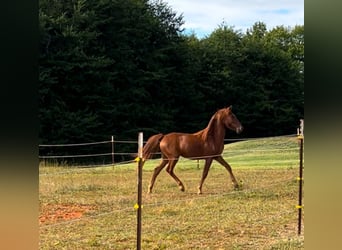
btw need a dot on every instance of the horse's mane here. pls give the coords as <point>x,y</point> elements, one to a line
<point>209,130</point>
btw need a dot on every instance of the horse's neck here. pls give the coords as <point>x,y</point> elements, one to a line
<point>217,133</point>
<point>214,132</point>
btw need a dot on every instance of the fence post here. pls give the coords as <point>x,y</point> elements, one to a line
<point>300,136</point>
<point>112,149</point>
<point>138,206</point>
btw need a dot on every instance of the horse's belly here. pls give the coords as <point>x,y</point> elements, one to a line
<point>191,147</point>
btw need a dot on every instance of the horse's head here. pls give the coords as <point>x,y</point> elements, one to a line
<point>230,121</point>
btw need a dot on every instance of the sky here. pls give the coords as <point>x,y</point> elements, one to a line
<point>202,17</point>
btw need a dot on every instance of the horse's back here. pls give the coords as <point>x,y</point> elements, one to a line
<point>181,144</point>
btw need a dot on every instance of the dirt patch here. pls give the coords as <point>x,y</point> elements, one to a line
<point>52,213</point>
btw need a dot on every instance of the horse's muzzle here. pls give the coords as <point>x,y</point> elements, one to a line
<point>239,130</point>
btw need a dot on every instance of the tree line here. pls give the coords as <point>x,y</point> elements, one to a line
<point>117,67</point>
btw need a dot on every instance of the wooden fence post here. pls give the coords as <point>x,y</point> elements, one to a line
<point>300,135</point>
<point>138,206</point>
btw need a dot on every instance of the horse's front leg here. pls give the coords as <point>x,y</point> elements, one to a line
<point>207,165</point>
<point>220,160</point>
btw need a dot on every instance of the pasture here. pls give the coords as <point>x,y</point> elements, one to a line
<point>93,208</point>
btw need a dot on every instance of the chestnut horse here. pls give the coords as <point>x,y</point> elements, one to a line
<point>205,144</point>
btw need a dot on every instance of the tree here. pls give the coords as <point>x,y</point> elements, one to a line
<point>107,67</point>
<point>272,103</point>
<point>119,67</point>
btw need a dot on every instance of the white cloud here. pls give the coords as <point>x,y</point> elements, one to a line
<point>205,15</point>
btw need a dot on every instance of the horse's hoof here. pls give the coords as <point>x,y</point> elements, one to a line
<point>199,190</point>
<point>237,187</point>
<point>182,189</point>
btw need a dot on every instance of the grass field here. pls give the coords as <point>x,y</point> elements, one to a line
<point>93,208</point>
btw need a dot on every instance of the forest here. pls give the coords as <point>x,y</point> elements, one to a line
<point>118,67</point>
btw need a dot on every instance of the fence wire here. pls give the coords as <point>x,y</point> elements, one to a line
<point>43,157</point>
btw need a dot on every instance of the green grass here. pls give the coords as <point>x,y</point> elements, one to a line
<point>260,216</point>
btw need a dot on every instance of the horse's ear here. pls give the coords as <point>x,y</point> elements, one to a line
<point>230,107</point>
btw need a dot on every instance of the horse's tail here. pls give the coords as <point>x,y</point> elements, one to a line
<point>152,146</point>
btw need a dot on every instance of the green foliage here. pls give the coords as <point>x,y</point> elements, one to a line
<point>116,67</point>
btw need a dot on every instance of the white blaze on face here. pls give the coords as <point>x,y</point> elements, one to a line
<point>239,130</point>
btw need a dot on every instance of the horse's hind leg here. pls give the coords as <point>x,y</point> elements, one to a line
<point>227,166</point>
<point>157,170</point>
<point>170,171</point>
